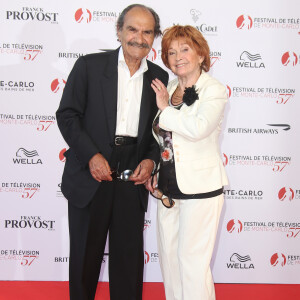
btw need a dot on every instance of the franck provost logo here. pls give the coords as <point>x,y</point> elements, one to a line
<point>246,22</point>
<point>278,95</point>
<point>26,157</point>
<point>32,14</point>
<point>84,15</point>
<point>29,222</point>
<point>239,262</point>
<point>248,60</point>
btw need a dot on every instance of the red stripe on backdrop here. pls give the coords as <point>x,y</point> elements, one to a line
<point>44,290</point>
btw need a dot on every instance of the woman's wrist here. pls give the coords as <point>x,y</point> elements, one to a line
<point>163,107</point>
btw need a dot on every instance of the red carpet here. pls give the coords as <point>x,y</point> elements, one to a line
<point>37,290</point>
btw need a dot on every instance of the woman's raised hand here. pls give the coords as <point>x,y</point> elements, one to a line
<point>162,95</point>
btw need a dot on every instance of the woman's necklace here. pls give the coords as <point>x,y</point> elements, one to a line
<point>177,97</point>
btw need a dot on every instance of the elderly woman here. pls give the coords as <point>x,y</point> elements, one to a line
<point>191,174</point>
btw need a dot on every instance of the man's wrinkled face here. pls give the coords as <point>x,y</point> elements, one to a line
<point>137,34</point>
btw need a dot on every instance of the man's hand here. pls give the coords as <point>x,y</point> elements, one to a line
<point>151,184</point>
<point>99,168</point>
<point>143,172</point>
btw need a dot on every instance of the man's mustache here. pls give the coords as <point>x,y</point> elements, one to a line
<point>135,44</point>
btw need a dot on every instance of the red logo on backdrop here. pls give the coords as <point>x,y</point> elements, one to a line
<point>244,22</point>
<point>228,91</point>
<point>83,15</point>
<point>286,193</point>
<point>289,58</point>
<point>278,259</point>
<point>57,84</point>
<point>61,155</point>
<point>147,224</point>
<point>146,257</point>
<point>234,225</point>
<point>152,55</point>
<point>213,60</point>
<point>225,160</point>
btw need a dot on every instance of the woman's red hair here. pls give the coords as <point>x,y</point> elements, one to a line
<point>193,38</point>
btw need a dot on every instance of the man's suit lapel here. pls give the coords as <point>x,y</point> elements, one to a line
<point>109,84</point>
<point>145,110</point>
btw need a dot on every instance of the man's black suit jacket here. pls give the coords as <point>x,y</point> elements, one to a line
<point>86,118</point>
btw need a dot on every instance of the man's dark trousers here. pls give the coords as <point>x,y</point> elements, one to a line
<point>116,208</point>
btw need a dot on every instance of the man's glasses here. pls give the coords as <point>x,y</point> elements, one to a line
<point>123,176</point>
<point>166,201</point>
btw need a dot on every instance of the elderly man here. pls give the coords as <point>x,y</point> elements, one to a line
<point>105,116</point>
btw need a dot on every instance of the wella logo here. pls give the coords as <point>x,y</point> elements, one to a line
<point>240,262</point>
<point>248,60</point>
<point>26,157</point>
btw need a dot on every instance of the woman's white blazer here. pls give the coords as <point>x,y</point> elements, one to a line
<point>195,131</point>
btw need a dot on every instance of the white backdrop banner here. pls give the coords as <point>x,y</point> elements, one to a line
<point>255,48</point>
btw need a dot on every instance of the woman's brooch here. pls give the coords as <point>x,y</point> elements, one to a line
<point>190,95</point>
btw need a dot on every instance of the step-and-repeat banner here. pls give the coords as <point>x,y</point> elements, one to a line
<point>255,48</point>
